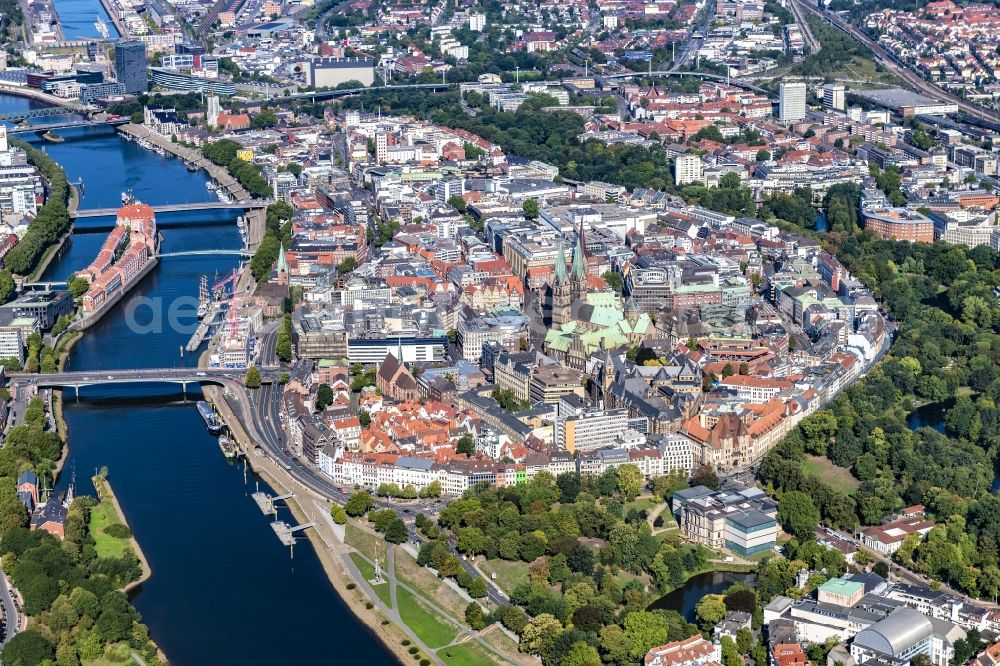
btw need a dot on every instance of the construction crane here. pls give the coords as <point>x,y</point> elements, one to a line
<point>220,287</point>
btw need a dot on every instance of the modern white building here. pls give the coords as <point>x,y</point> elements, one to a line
<point>792,101</point>
<point>903,635</point>
<point>11,343</point>
<point>688,169</point>
<point>834,96</point>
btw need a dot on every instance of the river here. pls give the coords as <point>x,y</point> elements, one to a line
<point>223,589</point>
<point>78,18</point>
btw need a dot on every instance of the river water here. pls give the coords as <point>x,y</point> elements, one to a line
<point>79,16</point>
<point>223,589</point>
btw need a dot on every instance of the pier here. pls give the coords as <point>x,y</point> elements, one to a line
<point>266,502</point>
<point>204,328</point>
<point>286,533</point>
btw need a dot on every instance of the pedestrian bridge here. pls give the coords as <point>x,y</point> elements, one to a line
<point>200,253</point>
<point>252,204</point>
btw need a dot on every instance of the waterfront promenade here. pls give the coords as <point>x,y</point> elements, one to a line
<point>255,218</point>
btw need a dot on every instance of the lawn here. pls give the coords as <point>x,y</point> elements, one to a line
<point>501,641</point>
<point>432,629</point>
<point>367,570</point>
<point>468,654</point>
<point>365,542</point>
<point>838,478</point>
<point>101,516</point>
<point>420,578</point>
<point>644,503</point>
<point>509,574</point>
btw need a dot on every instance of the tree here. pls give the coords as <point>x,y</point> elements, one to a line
<point>474,616</point>
<point>730,655</point>
<point>741,599</point>
<point>705,476</point>
<point>347,265</point>
<point>614,281</point>
<point>27,649</point>
<point>644,630</point>
<point>252,379</point>
<point>629,481</point>
<point>540,632</point>
<point>798,514</point>
<point>395,531</point>
<point>581,654</point>
<point>471,540</point>
<point>78,286</point>
<point>763,155</point>
<point>457,202</point>
<point>710,610</point>
<point>466,445</point>
<point>338,514</point>
<point>324,397</point>
<point>358,504</point>
<point>530,208</point>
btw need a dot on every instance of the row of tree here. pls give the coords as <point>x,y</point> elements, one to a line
<point>52,219</point>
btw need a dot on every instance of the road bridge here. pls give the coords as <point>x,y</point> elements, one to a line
<point>251,204</point>
<point>43,112</point>
<point>69,124</point>
<point>677,72</point>
<point>182,376</point>
<point>333,94</point>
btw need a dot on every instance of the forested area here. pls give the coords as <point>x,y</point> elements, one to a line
<point>947,352</point>
<point>578,597</point>
<point>52,219</point>
<point>72,596</point>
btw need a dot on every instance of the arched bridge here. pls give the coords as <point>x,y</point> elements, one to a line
<point>44,112</point>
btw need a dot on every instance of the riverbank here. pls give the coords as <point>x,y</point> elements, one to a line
<point>39,96</point>
<point>322,538</point>
<point>105,491</point>
<point>53,252</point>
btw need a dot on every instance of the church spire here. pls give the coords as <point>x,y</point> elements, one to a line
<point>561,276</point>
<point>580,256</point>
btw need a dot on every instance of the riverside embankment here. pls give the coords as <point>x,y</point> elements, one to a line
<point>223,589</point>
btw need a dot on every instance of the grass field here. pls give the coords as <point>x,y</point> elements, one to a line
<point>501,641</point>
<point>838,478</point>
<point>509,574</point>
<point>432,629</point>
<point>368,571</point>
<point>365,542</point>
<point>101,516</point>
<point>647,503</point>
<point>468,654</point>
<point>432,587</point>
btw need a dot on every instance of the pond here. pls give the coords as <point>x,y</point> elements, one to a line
<point>686,597</point>
<point>930,415</point>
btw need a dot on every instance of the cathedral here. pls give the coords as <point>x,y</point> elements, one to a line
<point>569,287</point>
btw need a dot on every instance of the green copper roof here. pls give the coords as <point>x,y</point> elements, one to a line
<point>561,265</point>
<point>282,264</point>
<point>580,260</point>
